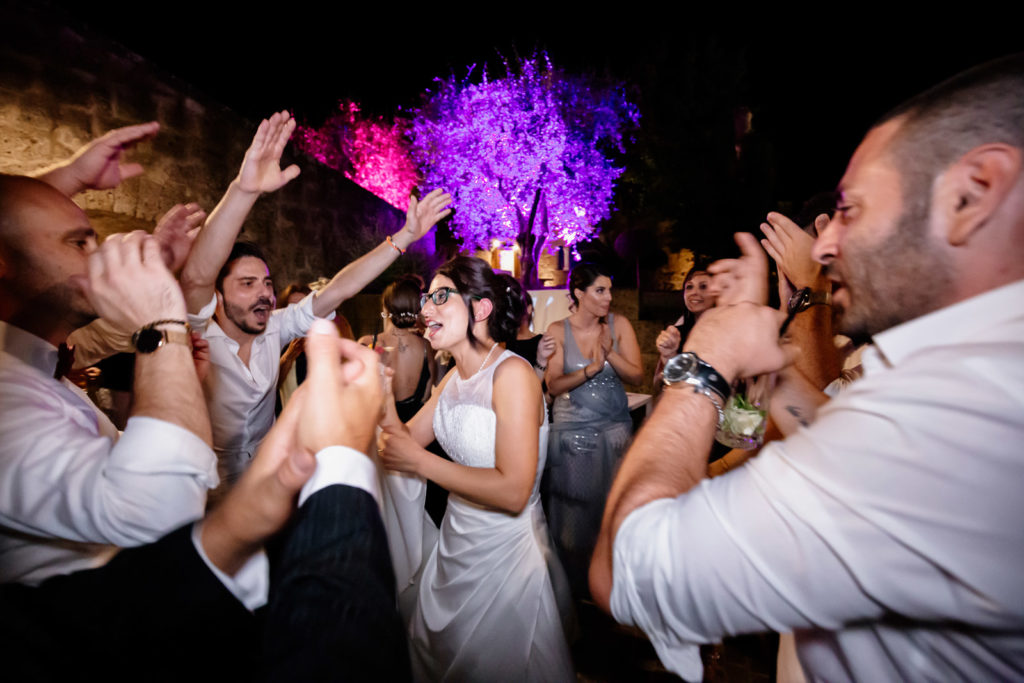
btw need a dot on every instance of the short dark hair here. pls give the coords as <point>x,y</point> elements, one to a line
<point>239,250</point>
<point>982,105</point>
<point>401,300</point>
<point>474,279</point>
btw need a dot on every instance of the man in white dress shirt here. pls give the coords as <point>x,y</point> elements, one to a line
<point>71,488</point>
<point>887,534</point>
<point>230,297</point>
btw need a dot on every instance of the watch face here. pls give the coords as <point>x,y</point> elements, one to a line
<point>679,367</point>
<point>799,301</point>
<point>148,340</point>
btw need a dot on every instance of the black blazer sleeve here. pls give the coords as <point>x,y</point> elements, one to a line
<point>332,613</point>
<point>153,613</point>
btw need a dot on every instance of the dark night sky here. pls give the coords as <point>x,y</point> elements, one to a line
<point>813,91</point>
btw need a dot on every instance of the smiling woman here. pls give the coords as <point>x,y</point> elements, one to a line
<point>484,607</point>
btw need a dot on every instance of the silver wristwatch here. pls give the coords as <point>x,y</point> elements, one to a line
<point>689,368</point>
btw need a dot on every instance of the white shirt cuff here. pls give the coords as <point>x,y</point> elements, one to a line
<point>342,465</point>
<point>251,584</point>
<point>201,319</point>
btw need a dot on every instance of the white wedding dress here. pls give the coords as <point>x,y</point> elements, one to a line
<point>481,607</point>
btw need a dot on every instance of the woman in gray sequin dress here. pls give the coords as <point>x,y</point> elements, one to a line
<point>595,352</point>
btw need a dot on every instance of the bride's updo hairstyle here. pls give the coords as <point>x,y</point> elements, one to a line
<point>475,280</point>
<point>401,300</point>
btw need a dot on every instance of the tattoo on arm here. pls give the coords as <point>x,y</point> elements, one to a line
<point>795,412</point>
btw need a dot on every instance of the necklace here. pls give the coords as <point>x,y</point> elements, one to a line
<point>486,358</point>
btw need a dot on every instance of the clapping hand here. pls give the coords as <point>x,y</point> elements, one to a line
<point>261,167</point>
<point>175,232</point>
<point>129,285</point>
<point>545,349</point>
<point>791,248</point>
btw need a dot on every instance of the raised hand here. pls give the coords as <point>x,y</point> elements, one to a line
<point>175,232</point>
<point>422,215</point>
<point>98,165</point>
<point>744,278</point>
<point>791,248</point>
<point>261,167</point>
<point>668,342</point>
<point>129,285</point>
<point>348,395</point>
<point>741,340</point>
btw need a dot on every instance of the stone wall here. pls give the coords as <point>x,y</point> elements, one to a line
<point>61,86</point>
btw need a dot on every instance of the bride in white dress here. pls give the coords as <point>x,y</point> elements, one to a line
<point>482,606</point>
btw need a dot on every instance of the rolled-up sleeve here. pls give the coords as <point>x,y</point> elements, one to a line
<point>60,478</point>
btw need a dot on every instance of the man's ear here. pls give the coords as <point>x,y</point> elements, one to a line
<point>975,187</point>
<point>482,310</point>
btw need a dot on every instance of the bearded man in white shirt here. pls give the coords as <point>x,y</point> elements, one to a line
<point>886,534</point>
<point>230,297</point>
<point>72,489</point>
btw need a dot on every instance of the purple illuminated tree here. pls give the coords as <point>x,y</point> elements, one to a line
<point>529,156</point>
<point>371,152</point>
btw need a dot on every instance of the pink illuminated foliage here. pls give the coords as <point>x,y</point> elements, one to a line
<point>372,152</point>
<point>529,156</point>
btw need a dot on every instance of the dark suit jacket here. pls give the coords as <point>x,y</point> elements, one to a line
<point>158,613</point>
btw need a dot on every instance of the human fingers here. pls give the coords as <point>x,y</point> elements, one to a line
<point>130,170</point>
<point>282,133</point>
<point>783,224</point>
<point>129,135</point>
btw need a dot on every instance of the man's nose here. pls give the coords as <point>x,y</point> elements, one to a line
<point>826,247</point>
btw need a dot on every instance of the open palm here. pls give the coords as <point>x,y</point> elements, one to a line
<point>261,169</point>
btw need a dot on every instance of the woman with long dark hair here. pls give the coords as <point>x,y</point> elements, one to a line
<point>484,607</point>
<point>697,298</point>
<point>595,351</point>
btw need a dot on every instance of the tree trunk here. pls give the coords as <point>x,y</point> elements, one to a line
<point>529,245</point>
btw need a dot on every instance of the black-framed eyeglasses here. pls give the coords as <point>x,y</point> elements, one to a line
<point>439,296</point>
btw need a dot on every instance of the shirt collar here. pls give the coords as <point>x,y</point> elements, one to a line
<point>28,348</point>
<point>972,319</point>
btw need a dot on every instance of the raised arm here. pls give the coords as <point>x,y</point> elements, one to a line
<point>811,330</point>
<point>350,280</point>
<point>98,165</point>
<point>260,172</point>
<point>517,402</point>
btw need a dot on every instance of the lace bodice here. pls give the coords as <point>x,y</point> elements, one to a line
<point>465,423</point>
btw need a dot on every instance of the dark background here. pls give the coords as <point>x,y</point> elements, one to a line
<point>812,83</point>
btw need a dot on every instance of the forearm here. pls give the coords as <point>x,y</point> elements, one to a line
<point>354,277</point>
<point>213,245</point>
<point>561,383</point>
<point>167,388</point>
<point>795,401</point>
<point>629,370</point>
<point>811,332</point>
<point>667,458</point>
<point>98,340</point>
<point>482,485</point>
<point>60,176</point>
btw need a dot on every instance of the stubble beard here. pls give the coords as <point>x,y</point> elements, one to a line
<point>902,278</point>
<point>236,314</point>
